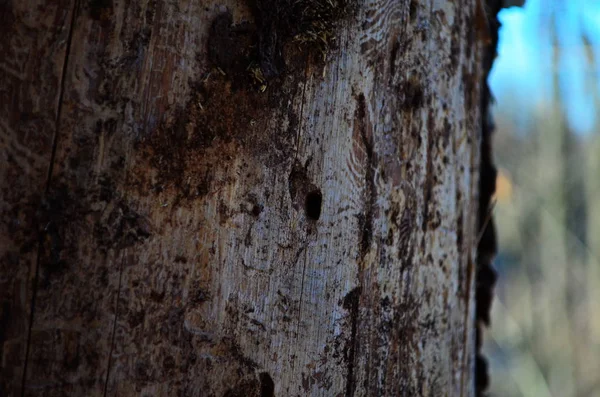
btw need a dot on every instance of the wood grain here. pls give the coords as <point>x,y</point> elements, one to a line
<point>189,259</point>
<point>32,59</point>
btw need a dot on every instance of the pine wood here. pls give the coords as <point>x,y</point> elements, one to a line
<point>176,252</point>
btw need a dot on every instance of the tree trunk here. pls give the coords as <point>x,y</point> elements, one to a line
<point>262,198</point>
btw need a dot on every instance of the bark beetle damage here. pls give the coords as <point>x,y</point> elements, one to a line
<point>218,122</point>
<point>252,53</point>
<point>242,89</point>
<point>303,192</point>
<point>351,304</point>
<point>251,383</point>
<point>411,94</point>
<point>255,71</point>
<point>253,388</point>
<point>62,218</point>
<point>262,387</point>
<point>232,49</point>
<point>100,9</point>
<point>405,341</point>
<point>312,204</point>
<point>247,388</point>
<point>405,228</point>
<point>366,220</point>
<point>267,387</point>
<point>429,182</point>
<point>487,247</point>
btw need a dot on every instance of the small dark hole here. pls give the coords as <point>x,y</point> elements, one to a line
<point>312,205</point>
<point>413,10</point>
<point>267,387</point>
<point>256,210</point>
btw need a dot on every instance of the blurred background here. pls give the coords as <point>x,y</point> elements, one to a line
<point>545,334</point>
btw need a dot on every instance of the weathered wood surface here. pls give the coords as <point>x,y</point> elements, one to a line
<point>33,42</point>
<point>200,237</point>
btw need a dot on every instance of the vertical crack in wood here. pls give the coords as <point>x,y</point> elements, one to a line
<point>428,184</point>
<point>370,188</point>
<point>114,328</point>
<point>303,97</point>
<point>46,191</point>
<point>147,85</point>
<point>301,292</point>
<point>352,299</point>
<point>61,94</point>
<point>32,310</point>
<point>298,134</point>
<point>470,271</point>
<point>351,304</point>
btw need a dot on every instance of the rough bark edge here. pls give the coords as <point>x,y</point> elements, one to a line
<point>487,244</point>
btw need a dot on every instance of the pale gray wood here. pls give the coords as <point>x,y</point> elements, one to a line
<point>189,264</point>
